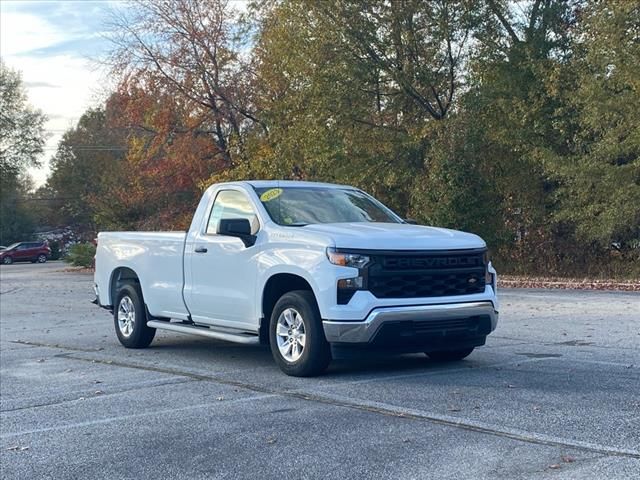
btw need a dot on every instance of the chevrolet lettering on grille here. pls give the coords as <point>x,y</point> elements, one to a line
<point>431,262</point>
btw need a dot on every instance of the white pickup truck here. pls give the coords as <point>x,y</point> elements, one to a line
<point>309,268</point>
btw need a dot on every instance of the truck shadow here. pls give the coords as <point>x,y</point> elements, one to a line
<point>230,355</point>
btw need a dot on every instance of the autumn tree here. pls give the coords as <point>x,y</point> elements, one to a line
<point>193,50</point>
<point>169,153</point>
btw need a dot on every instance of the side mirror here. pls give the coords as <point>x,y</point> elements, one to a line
<point>237,227</point>
<point>410,221</point>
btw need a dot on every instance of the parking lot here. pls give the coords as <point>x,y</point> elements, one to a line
<point>554,394</point>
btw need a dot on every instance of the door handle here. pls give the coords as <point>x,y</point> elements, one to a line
<point>201,250</point>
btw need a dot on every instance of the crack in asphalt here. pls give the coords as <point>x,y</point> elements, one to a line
<point>11,290</point>
<point>384,409</point>
<point>560,344</point>
<point>56,345</point>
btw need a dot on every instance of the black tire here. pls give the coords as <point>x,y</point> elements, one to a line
<point>42,258</point>
<point>7,260</point>
<point>316,353</point>
<point>450,355</point>
<point>138,335</point>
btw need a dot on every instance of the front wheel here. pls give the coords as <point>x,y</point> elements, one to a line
<point>450,355</point>
<point>296,336</point>
<point>130,318</point>
<point>7,260</point>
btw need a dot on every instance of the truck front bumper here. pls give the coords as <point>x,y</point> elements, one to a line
<point>453,323</point>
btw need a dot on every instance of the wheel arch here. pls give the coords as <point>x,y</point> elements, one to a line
<point>277,285</point>
<point>119,276</point>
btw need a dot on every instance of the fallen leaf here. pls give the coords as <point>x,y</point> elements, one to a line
<point>555,466</point>
<point>14,448</point>
<point>454,409</point>
<point>40,360</point>
<point>568,459</point>
<point>98,392</point>
<point>97,381</point>
<point>220,399</point>
<point>511,386</point>
<point>271,440</point>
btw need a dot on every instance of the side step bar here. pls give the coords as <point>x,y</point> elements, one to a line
<point>244,338</point>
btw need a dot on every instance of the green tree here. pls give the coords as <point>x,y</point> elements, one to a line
<point>601,183</point>
<point>21,143</point>
<point>349,88</point>
<point>87,157</point>
<point>520,82</point>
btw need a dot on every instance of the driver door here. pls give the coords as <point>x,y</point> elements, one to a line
<point>223,270</point>
<point>22,252</point>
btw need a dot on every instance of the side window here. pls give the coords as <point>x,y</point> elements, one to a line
<point>23,246</point>
<point>232,204</point>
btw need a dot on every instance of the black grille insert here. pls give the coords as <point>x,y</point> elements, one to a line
<point>427,274</point>
<point>423,332</point>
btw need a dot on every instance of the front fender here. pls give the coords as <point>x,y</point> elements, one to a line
<point>310,265</point>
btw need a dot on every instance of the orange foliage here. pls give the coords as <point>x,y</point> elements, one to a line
<point>170,150</point>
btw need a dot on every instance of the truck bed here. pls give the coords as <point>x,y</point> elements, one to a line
<point>156,257</point>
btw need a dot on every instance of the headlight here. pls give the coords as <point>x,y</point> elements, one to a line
<point>488,276</point>
<point>354,260</point>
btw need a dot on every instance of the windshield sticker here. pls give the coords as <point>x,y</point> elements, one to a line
<point>270,194</point>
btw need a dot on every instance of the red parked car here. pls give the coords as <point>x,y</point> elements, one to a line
<point>25,252</point>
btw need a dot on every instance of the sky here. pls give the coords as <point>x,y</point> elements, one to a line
<point>53,44</point>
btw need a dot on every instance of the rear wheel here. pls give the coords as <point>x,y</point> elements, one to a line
<point>42,258</point>
<point>296,336</point>
<point>130,318</point>
<point>450,355</point>
<point>7,260</point>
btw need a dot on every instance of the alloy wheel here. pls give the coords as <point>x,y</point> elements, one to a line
<point>291,335</point>
<point>126,316</point>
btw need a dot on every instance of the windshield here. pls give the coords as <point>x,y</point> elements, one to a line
<point>299,206</point>
<point>13,245</point>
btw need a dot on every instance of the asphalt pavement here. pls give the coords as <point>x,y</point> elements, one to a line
<point>554,394</point>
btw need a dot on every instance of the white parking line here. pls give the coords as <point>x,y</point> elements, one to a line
<point>103,421</point>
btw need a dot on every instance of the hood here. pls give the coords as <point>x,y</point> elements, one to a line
<point>395,236</point>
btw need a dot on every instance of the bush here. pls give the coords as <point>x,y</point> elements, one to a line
<point>81,255</point>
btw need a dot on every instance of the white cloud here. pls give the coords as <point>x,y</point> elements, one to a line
<point>59,81</point>
<point>24,32</point>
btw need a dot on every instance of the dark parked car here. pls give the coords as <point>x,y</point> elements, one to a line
<point>25,252</point>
